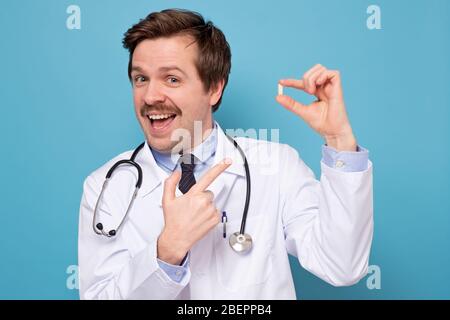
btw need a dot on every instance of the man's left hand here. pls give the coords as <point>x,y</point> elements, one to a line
<point>326,115</point>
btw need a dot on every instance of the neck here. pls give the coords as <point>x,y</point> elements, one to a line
<point>201,132</point>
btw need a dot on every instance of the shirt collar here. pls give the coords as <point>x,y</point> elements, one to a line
<point>203,152</point>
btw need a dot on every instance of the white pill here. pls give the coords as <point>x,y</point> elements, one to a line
<point>280,90</point>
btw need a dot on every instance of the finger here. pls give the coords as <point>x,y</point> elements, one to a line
<point>328,75</point>
<point>311,80</point>
<point>170,186</point>
<point>292,105</point>
<point>293,83</point>
<point>335,76</point>
<point>306,76</point>
<point>310,71</point>
<point>210,176</point>
<point>209,195</point>
<point>217,217</point>
<point>322,78</point>
<point>316,75</point>
<point>214,219</point>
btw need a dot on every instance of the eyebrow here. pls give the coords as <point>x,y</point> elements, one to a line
<point>169,68</point>
<point>162,69</point>
<point>136,68</point>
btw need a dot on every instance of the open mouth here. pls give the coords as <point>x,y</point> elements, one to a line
<point>160,122</point>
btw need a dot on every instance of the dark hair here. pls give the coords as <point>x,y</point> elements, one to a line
<point>213,63</point>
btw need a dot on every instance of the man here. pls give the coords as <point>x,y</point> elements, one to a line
<point>174,243</point>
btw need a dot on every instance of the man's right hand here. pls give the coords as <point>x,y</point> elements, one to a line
<point>188,218</point>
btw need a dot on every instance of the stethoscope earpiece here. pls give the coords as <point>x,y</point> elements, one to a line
<point>111,233</point>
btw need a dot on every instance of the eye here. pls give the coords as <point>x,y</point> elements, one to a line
<point>139,79</point>
<point>173,80</point>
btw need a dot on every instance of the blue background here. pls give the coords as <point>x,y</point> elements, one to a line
<point>66,108</point>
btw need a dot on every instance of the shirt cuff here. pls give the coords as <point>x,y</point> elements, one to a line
<point>176,273</point>
<point>347,161</point>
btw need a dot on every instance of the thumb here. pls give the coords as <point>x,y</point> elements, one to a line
<point>170,186</point>
<point>292,105</point>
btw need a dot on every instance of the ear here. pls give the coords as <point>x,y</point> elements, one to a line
<point>216,92</point>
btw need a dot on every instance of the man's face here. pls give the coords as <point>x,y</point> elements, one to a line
<point>168,92</point>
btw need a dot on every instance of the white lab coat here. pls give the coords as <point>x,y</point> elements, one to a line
<point>327,225</point>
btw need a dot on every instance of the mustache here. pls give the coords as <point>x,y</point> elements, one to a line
<point>160,108</point>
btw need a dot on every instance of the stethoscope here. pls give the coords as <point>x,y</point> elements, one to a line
<point>240,241</point>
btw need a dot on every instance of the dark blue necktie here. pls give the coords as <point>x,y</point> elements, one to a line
<point>187,173</point>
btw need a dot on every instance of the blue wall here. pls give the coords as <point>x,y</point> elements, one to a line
<point>66,108</point>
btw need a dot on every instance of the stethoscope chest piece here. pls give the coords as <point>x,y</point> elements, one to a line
<point>241,243</point>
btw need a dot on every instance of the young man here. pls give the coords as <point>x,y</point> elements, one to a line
<point>174,242</point>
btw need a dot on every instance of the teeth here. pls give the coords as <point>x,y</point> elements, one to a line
<point>159,116</point>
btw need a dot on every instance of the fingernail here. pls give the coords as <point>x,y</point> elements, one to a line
<point>227,161</point>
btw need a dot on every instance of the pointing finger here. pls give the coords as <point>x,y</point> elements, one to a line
<point>210,176</point>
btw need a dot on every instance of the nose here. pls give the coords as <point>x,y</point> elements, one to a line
<point>153,94</point>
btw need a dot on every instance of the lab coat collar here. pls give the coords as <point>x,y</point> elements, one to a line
<point>226,149</point>
<point>153,175</point>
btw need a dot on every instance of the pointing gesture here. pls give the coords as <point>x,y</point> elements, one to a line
<point>326,115</point>
<point>171,182</point>
<point>189,217</point>
<point>210,176</point>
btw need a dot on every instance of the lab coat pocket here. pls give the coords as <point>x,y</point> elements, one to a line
<point>236,271</point>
